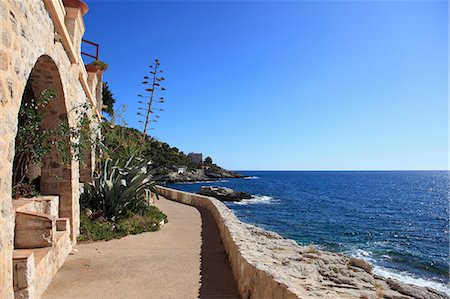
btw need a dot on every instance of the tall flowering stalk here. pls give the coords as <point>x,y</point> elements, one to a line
<point>153,85</point>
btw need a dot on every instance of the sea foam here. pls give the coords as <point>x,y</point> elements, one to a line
<point>409,278</point>
<point>401,276</point>
<point>256,199</point>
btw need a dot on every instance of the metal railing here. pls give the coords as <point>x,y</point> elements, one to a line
<point>92,44</point>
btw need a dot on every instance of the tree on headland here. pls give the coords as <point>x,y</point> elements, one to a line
<point>208,160</point>
<point>108,100</point>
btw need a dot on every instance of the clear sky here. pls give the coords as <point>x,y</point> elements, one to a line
<point>298,85</point>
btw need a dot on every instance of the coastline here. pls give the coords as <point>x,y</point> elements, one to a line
<point>266,265</point>
<point>311,207</point>
<point>200,175</point>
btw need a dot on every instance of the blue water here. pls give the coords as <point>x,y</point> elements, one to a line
<point>398,220</point>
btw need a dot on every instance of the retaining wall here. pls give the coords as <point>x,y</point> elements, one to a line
<point>253,279</point>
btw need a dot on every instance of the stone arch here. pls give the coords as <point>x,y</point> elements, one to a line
<point>87,162</point>
<point>56,177</point>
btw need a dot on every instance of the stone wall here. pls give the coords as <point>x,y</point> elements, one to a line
<point>28,36</point>
<point>265,265</point>
<point>252,280</point>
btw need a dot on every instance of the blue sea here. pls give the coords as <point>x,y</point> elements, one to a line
<point>397,220</point>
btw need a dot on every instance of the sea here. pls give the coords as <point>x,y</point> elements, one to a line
<point>396,220</point>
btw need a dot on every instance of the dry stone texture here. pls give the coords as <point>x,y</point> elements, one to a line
<point>265,265</point>
<point>30,48</point>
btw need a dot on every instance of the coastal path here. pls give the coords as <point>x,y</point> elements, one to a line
<point>185,259</point>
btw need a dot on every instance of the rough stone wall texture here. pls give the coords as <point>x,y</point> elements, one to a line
<point>27,37</point>
<point>265,265</point>
<point>252,282</point>
<point>51,262</point>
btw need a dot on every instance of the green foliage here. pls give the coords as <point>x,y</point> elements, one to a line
<point>117,191</point>
<point>101,64</point>
<point>93,230</point>
<point>122,142</point>
<point>208,160</point>
<point>163,155</point>
<point>108,100</point>
<point>33,142</point>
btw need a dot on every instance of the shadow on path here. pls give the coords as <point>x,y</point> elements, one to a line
<point>216,277</point>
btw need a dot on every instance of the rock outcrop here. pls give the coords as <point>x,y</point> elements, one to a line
<point>266,265</point>
<point>223,193</point>
<point>322,274</point>
<point>200,175</point>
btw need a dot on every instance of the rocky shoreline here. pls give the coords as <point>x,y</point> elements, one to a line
<point>270,266</point>
<point>200,175</point>
<point>322,274</point>
<point>223,193</point>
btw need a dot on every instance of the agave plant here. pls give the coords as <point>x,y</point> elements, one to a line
<point>119,191</point>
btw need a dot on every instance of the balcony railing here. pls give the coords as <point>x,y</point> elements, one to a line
<point>91,45</point>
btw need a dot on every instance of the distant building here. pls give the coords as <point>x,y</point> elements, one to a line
<point>196,158</point>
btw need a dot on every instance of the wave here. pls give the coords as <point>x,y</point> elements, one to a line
<point>200,182</point>
<point>409,278</point>
<point>401,276</point>
<point>256,199</point>
<point>251,178</point>
<point>193,182</point>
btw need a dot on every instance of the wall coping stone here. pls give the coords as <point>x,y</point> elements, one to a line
<point>265,265</point>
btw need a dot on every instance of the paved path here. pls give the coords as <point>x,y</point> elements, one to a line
<point>185,259</point>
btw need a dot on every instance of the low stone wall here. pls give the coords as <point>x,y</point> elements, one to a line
<point>265,265</point>
<point>252,280</point>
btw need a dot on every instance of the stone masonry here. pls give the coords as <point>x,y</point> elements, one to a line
<point>40,40</point>
<point>265,265</point>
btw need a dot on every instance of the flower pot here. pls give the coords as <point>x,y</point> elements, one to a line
<point>77,4</point>
<point>92,68</point>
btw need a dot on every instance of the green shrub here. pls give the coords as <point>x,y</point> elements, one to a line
<point>93,230</point>
<point>101,64</point>
<point>34,142</point>
<point>121,142</point>
<point>118,192</point>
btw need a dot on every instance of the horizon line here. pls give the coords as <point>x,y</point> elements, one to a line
<point>347,170</point>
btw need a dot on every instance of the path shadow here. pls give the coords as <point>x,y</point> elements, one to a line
<point>216,277</point>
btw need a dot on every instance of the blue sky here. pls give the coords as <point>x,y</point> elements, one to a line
<point>306,85</point>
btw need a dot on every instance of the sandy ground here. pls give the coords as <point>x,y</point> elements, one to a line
<point>183,260</point>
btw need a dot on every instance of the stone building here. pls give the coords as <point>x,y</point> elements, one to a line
<point>196,158</point>
<point>41,49</point>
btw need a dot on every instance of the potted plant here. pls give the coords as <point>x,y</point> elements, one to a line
<point>96,66</point>
<point>76,4</point>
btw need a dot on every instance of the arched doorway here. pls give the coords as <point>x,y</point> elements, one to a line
<point>52,174</point>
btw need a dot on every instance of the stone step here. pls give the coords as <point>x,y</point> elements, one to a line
<point>34,230</point>
<point>48,204</point>
<point>33,269</point>
<point>23,273</point>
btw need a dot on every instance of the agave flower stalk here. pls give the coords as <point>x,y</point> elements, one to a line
<point>153,84</point>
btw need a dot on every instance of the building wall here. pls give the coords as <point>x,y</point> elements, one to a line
<point>196,158</point>
<point>27,33</point>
